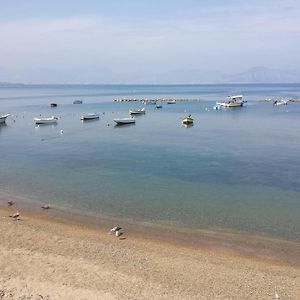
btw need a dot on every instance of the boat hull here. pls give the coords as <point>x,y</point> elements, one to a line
<point>137,112</point>
<point>234,104</point>
<point>3,119</point>
<point>90,117</point>
<point>124,121</point>
<point>40,121</point>
<point>187,121</point>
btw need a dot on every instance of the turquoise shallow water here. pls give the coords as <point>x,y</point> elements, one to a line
<point>235,169</point>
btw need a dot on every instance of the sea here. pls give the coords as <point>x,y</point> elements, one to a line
<point>234,169</point>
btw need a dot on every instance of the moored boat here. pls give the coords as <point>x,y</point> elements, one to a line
<point>171,102</point>
<point>92,116</point>
<point>158,106</point>
<point>53,104</point>
<point>77,102</point>
<point>123,121</point>
<point>137,111</point>
<point>233,101</point>
<point>3,118</point>
<point>187,120</point>
<point>39,121</point>
<point>280,102</point>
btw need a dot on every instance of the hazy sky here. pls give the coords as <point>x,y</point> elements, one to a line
<point>144,40</point>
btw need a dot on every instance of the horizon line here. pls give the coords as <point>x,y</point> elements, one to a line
<point>132,83</point>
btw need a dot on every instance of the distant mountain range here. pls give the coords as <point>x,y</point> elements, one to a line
<point>255,75</point>
<point>263,75</point>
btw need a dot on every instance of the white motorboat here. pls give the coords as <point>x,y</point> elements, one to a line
<point>3,118</point>
<point>39,121</point>
<point>137,111</point>
<point>187,120</point>
<point>280,102</point>
<point>123,121</point>
<point>158,106</point>
<point>171,102</point>
<point>92,116</point>
<point>233,101</point>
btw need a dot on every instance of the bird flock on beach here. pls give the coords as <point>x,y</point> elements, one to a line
<point>16,215</point>
<point>117,230</point>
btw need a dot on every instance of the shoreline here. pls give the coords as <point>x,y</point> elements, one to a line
<point>245,244</point>
<point>58,258</point>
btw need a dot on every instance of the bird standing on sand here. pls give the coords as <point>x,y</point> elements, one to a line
<point>116,230</point>
<point>46,206</point>
<point>15,215</point>
<point>10,203</point>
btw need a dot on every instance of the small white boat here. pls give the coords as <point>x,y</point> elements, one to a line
<point>233,101</point>
<point>3,118</point>
<point>158,106</point>
<point>187,120</point>
<point>123,121</point>
<point>280,102</point>
<point>92,116</point>
<point>77,102</point>
<point>52,120</point>
<point>171,102</point>
<point>137,111</point>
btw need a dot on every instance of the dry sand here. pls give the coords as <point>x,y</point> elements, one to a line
<point>47,258</point>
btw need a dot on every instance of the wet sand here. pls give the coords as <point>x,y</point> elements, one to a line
<point>45,255</point>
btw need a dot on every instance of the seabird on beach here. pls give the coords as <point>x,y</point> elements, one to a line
<point>10,203</point>
<point>114,229</point>
<point>118,233</point>
<point>46,206</point>
<point>15,215</point>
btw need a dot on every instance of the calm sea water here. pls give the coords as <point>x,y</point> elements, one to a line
<point>235,168</point>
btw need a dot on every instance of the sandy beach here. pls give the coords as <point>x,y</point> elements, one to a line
<point>42,257</point>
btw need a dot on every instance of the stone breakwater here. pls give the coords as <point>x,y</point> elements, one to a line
<point>279,99</point>
<point>154,100</point>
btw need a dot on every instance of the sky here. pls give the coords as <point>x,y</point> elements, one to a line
<point>145,41</point>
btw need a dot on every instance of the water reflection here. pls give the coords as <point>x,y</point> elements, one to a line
<point>3,126</point>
